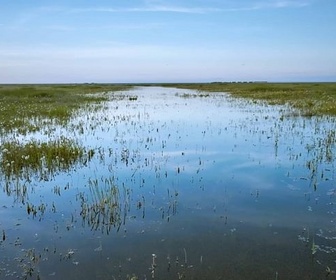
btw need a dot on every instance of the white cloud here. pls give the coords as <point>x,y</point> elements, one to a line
<point>162,8</point>
<point>166,8</point>
<point>282,4</point>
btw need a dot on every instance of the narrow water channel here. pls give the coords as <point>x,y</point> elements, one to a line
<point>178,184</point>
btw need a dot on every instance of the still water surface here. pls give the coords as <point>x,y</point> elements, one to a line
<point>181,186</point>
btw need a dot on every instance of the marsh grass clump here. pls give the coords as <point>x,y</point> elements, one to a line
<point>189,95</point>
<point>133,98</point>
<point>322,152</point>
<point>103,209</point>
<point>41,158</point>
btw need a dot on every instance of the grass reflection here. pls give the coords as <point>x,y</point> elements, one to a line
<point>103,208</point>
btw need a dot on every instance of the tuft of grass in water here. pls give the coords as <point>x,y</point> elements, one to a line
<point>188,95</point>
<point>104,210</point>
<point>44,159</point>
<point>24,107</point>
<point>309,98</point>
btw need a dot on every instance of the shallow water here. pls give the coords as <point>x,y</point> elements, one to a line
<point>180,187</point>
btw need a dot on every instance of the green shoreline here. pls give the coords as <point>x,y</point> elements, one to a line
<point>310,99</point>
<point>27,107</point>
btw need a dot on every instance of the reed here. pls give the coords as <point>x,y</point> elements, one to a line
<point>103,209</point>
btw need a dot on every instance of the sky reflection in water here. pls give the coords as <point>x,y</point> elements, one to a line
<point>204,188</point>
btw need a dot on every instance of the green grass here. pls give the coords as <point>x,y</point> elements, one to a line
<point>104,210</point>
<point>24,107</point>
<point>29,108</point>
<point>44,159</point>
<point>309,98</point>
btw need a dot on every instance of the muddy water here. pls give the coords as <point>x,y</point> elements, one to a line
<point>181,186</point>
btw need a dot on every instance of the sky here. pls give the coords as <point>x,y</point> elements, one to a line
<point>136,41</point>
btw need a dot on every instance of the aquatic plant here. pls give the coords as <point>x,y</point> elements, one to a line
<point>160,183</point>
<point>42,159</point>
<point>103,210</point>
<point>199,94</point>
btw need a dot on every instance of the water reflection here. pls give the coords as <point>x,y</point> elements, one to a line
<point>104,210</point>
<point>177,184</point>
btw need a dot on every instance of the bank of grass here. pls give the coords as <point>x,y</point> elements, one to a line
<point>22,105</point>
<point>309,98</point>
<point>29,108</point>
<point>41,158</point>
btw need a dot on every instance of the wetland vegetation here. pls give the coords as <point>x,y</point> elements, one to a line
<point>25,108</point>
<point>309,98</point>
<point>197,181</point>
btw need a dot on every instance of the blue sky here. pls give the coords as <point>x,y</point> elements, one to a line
<point>44,41</point>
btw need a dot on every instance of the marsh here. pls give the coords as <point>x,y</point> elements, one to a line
<point>169,183</point>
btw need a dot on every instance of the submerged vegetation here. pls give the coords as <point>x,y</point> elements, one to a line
<point>165,184</point>
<point>37,112</point>
<point>309,98</point>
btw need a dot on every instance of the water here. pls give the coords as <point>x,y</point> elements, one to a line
<point>180,187</point>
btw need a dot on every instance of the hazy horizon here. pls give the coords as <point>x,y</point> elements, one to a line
<point>162,41</point>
